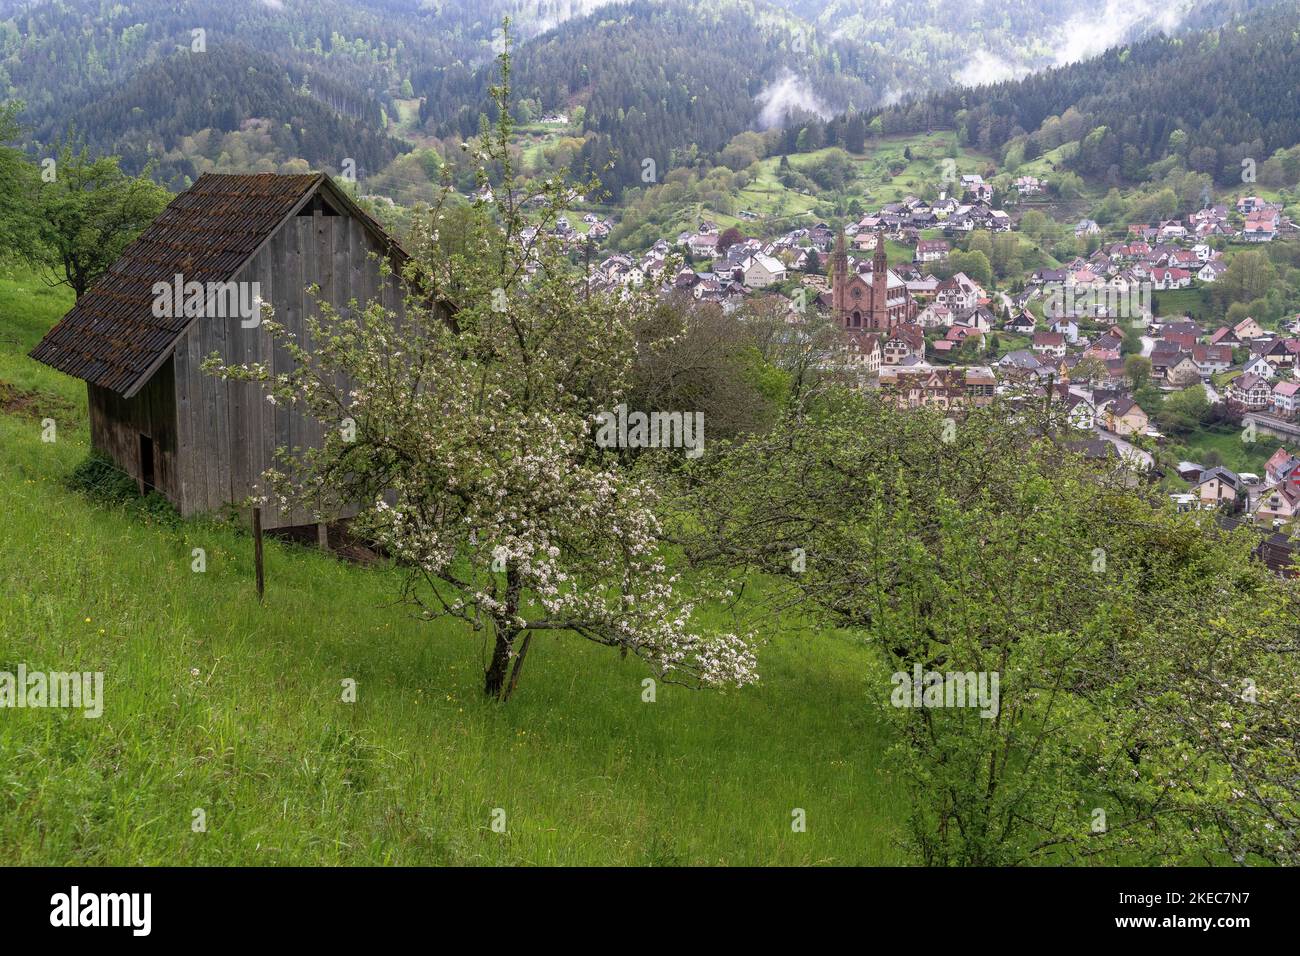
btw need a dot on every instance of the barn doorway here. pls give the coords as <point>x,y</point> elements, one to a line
<point>146,465</point>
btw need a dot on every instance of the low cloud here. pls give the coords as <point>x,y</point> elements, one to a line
<point>1089,34</point>
<point>788,92</point>
<point>1086,34</point>
<point>984,67</point>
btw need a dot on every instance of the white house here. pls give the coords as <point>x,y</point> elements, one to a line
<point>1260,368</point>
<point>1286,398</point>
<point>762,270</point>
<point>1211,271</point>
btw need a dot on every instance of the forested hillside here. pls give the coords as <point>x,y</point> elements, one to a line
<point>971,43</point>
<point>661,80</point>
<point>134,78</point>
<point>1215,98</point>
<point>669,80</point>
<point>224,93</point>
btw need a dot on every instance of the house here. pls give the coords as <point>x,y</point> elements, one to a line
<point>863,353</point>
<point>1211,359</point>
<point>1224,336</point>
<point>975,187</point>
<point>1219,486</point>
<point>1250,391</point>
<point>1261,226</point>
<point>1028,185</point>
<point>1166,278</point>
<point>1211,271</point>
<point>1261,366</point>
<point>903,342</point>
<point>1022,365</point>
<point>1171,229</point>
<point>1022,324</point>
<point>246,240</point>
<point>761,271</point>
<point>1277,351</point>
<point>999,221</point>
<point>935,316</point>
<point>1087,227</point>
<point>1050,343</point>
<point>1068,328</point>
<point>931,250</point>
<point>703,245</point>
<point>942,388</point>
<point>1182,340</point>
<point>1278,505</point>
<point>956,337</point>
<point>959,293</point>
<point>1080,412</point>
<point>1248,329</point>
<point>981,319</point>
<point>1108,346</point>
<point>865,241</point>
<point>1281,467</point>
<point>1123,416</point>
<point>1183,371</point>
<point>1286,399</point>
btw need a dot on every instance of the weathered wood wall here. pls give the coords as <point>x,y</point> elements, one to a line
<point>228,432</point>
<point>117,423</point>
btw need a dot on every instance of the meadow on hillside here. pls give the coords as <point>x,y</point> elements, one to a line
<point>216,703</point>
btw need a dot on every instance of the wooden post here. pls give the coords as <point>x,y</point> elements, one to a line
<point>322,535</point>
<point>257,552</point>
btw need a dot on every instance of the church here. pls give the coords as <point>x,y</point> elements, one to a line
<point>875,302</point>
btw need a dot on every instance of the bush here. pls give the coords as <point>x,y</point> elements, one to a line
<point>99,479</point>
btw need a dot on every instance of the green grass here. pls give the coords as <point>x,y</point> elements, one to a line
<point>28,307</point>
<point>1233,452</point>
<point>781,208</point>
<point>213,701</point>
<point>1194,301</point>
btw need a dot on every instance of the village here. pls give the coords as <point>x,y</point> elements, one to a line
<point>1084,334</point>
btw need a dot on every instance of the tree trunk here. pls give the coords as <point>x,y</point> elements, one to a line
<point>519,665</point>
<point>494,680</point>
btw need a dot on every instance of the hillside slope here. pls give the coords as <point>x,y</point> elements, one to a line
<point>215,702</point>
<point>1215,97</point>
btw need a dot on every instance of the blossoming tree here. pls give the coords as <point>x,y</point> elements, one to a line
<point>464,432</point>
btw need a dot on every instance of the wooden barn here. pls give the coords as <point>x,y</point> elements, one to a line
<point>200,441</point>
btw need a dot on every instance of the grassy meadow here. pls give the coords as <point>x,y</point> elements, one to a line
<point>215,702</point>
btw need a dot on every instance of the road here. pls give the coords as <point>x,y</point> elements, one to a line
<point>1127,451</point>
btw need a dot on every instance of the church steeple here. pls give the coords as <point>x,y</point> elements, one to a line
<point>880,317</point>
<point>879,262</point>
<point>840,277</point>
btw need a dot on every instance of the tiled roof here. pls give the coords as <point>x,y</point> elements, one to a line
<point>111,337</point>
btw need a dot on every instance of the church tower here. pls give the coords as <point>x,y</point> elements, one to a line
<point>840,279</point>
<point>880,318</point>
